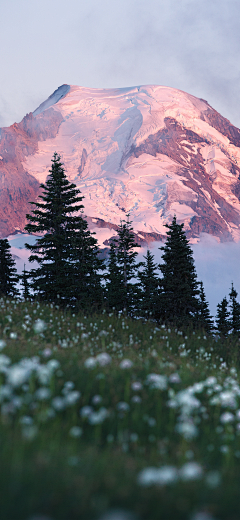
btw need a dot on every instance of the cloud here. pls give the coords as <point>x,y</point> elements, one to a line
<point>217,265</point>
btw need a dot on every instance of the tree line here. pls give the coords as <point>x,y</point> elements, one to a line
<point>71,274</point>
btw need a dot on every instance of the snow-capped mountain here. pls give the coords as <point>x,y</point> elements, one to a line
<point>150,151</point>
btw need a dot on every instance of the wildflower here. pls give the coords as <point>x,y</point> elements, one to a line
<point>157,381</point>
<point>86,411</point>
<point>97,399</point>
<point>122,406</point>
<point>13,335</point>
<point>75,431</point>
<point>29,432</point>
<point>39,326</point>
<point>187,429</point>
<point>134,437</point>
<point>90,362</point>
<point>2,344</point>
<point>213,479</point>
<point>42,393</point>
<point>126,363</point>
<point>136,385</point>
<point>26,419</point>
<point>58,403</point>
<point>47,352</point>
<point>227,417</point>
<point>136,399</point>
<point>103,359</point>
<point>174,378</point>
<point>72,397</point>
<point>191,471</point>
<point>160,476</point>
<point>98,417</point>
<point>17,375</point>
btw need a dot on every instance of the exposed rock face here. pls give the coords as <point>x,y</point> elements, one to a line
<point>17,186</point>
<point>149,151</point>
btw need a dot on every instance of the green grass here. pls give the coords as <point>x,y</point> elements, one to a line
<point>171,452</point>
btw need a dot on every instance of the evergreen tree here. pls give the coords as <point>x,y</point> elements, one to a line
<point>8,271</point>
<point>114,282</point>
<point>25,284</point>
<point>88,291</point>
<point>205,320</point>
<point>66,249</point>
<point>149,285</point>
<point>179,282</point>
<point>222,318</point>
<point>122,268</point>
<point>234,312</point>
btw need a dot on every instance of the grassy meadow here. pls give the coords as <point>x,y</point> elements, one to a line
<point>105,418</point>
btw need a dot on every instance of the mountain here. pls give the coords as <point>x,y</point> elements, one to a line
<point>152,151</point>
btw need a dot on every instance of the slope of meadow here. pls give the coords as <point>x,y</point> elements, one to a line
<point>107,418</point>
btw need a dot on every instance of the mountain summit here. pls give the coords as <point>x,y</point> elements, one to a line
<point>150,151</point>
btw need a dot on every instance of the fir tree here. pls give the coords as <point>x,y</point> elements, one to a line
<point>88,291</point>
<point>25,284</point>
<point>64,252</point>
<point>122,268</point>
<point>234,312</point>
<point>222,318</point>
<point>205,320</point>
<point>149,285</point>
<point>8,271</point>
<point>114,282</point>
<point>179,282</point>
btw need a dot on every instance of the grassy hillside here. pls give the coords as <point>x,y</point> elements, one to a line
<point>102,414</point>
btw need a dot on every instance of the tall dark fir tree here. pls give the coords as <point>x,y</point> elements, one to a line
<point>180,304</point>
<point>149,305</point>
<point>66,251</point>
<point>8,272</point>
<point>122,268</point>
<point>222,319</point>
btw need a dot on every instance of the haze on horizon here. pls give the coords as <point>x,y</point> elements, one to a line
<point>192,46</point>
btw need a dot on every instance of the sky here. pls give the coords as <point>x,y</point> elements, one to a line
<point>186,44</point>
<point>192,45</point>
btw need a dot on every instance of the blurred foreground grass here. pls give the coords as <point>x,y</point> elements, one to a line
<point>107,418</point>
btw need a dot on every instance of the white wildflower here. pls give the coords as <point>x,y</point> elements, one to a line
<point>99,416</point>
<point>157,476</point>
<point>75,431</point>
<point>42,393</point>
<point>227,417</point>
<point>136,386</point>
<point>90,362</point>
<point>126,363</point>
<point>2,344</point>
<point>123,407</point>
<point>191,471</point>
<point>157,381</point>
<point>103,359</point>
<point>39,326</point>
<point>86,411</point>
<point>174,378</point>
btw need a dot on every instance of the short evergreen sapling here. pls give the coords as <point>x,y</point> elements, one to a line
<point>222,318</point>
<point>66,252</point>
<point>150,288</point>
<point>8,272</point>
<point>122,268</point>
<point>180,304</point>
